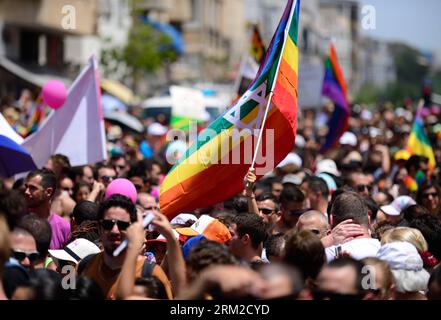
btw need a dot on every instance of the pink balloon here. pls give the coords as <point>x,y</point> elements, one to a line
<point>54,94</point>
<point>124,187</point>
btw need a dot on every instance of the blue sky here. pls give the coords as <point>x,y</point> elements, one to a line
<point>417,22</point>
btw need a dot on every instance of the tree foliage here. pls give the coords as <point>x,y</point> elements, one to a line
<point>146,51</point>
<point>411,69</point>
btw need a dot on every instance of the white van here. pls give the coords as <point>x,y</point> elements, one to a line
<point>155,106</point>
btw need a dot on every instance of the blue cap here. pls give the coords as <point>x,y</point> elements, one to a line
<point>190,244</point>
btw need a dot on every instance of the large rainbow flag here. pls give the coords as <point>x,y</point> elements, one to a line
<point>334,87</point>
<point>419,143</point>
<point>210,170</point>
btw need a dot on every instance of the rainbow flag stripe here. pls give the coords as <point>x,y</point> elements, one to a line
<point>208,173</point>
<point>419,143</point>
<point>334,87</point>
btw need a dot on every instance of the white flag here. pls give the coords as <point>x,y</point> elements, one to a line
<point>6,130</point>
<point>77,128</point>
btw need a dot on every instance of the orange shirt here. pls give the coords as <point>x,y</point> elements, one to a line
<point>108,279</point>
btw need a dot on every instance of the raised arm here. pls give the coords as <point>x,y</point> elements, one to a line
<point>175,263</point>
<point>97,191</point>
<point>249,181</point>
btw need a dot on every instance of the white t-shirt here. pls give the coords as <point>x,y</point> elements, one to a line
<point>358,249</point>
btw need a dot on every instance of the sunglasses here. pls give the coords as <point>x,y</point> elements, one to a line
<point>108,178</point>
<point>362,187</point>
<point>266,211</point>
<point>427,195</point>
<point>108,224</point>
<point>21,255</point>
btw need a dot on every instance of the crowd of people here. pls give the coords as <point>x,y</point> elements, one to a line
<point>362,221</point>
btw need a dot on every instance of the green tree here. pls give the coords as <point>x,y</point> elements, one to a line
<point>368,94</point>
<point>411,68</point>
<point>147,49</point>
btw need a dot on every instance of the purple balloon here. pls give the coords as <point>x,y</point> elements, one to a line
<point>124,187</point>
<point>54,94</point>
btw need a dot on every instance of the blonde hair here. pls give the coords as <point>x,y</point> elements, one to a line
<point>412,235</point>
<point>5,250</point>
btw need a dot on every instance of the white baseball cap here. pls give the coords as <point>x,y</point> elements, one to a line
<point>156,129</point>
<point>327,166</point>
<point>76,250</point>
<point>348,138</point>
<point>398,205</point>
<point>183,218</point>
<point>291,158</point>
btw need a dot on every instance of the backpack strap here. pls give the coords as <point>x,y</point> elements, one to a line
<point>84,262</point>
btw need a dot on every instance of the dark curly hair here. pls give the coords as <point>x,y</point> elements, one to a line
<point>120,201</point>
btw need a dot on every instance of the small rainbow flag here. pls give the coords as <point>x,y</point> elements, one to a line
<point>250,63</point>
<point>334,87</point>
<point>419,143</point>
<point>194,182</point>
<point>37,117</point>
<point>257,49</point>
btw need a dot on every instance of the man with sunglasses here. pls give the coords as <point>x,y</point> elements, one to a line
<point>106,174</point>
<point>292,206</point>
<point>361,183</point>
<point>24,248</point>
<point>269,211</point>
<point>266,205</point>
<point>115,215</point>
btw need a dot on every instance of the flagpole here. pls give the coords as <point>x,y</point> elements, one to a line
<point>259,140</point>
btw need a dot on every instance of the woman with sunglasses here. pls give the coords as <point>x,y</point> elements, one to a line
<point>429,197</point>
